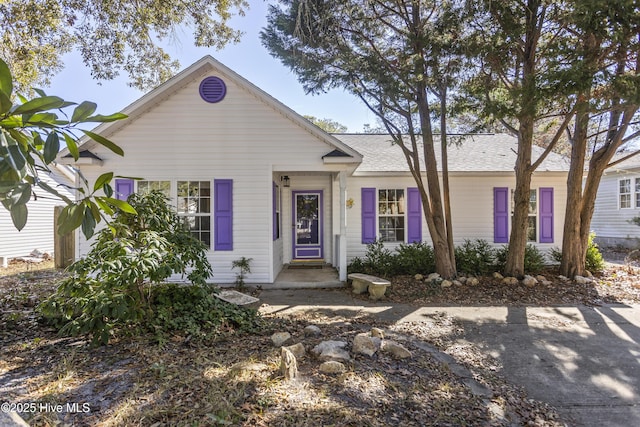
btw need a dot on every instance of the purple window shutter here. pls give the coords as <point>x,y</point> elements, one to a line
<point>414,215</point>
<point>223,214</point>
<point>368,215</point>
<point>546,215</point>
<point>124,187</point>
<point>500,215</point>
<point>274,189</point>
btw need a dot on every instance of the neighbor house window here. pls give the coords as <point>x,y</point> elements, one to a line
<point>194,206</point>
<point>625,193</point>
<point>163,186</point>
<point>532,224</point>
<point>391,207</point>
<point>637,192</point>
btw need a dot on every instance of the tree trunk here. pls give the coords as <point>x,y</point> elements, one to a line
<point>573,247</point>
<point>445,265</point>
<point>518,237</point>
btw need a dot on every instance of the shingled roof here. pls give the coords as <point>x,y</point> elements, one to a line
<point>467,153</point>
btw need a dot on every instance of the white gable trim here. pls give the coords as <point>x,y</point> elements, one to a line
<point>206,65</point>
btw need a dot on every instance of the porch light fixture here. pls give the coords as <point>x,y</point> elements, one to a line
<point>286,182</point>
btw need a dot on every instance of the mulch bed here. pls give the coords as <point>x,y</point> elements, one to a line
<point>135,381</point>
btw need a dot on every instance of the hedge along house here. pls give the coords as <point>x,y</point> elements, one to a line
<point>254,179</point>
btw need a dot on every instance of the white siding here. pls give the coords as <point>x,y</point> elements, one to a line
<point>39,232</point>
<point>610,223</point>
<point>239,138</point>
<point>471,206</point>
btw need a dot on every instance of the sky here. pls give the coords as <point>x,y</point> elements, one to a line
<point>247,58</point>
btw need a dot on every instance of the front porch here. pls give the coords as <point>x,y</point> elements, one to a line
<point>299,277</point>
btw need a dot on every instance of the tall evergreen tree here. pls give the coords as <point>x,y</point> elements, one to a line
<point>389,53</point>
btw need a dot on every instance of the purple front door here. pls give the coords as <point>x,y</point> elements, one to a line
<point>307,224</point>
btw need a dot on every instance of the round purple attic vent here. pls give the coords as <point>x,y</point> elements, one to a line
<point>213,89</point>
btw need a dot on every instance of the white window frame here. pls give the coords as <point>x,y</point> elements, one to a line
<point>399,205</point>
<point>627,194</point>
<point>154,183</point>
<point>534,211</point>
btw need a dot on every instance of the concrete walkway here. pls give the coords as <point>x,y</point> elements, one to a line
<point>585,361</point>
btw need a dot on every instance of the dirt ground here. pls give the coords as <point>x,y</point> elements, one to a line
<point>235,379</point>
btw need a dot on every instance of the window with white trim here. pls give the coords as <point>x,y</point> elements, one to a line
<point>163,186</point>
<point>637,192</point>
<point>194,206</point>
<point>624,193</point>
<point>391,222</point>
<point>532,225</point>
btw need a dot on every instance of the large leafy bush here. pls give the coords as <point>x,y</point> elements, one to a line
<point>112,286</point>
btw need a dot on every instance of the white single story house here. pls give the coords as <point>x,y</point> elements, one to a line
<point>618,201</point>
<point>38,233</point>
<point>255,179</point>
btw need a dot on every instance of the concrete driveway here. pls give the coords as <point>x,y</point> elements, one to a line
<point>585,361</point>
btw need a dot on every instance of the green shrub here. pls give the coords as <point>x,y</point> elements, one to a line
<point>358,265</point>
<point>594,261</point>
<point>379,259</point>
<point>475,257</point>
<point>534,260</point>
<point>414,258</point>
<point>110,287</point>
<point>193,310</point>
<point>556,255</point>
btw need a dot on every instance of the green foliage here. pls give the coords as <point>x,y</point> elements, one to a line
<point>195,311</point>
<point>244,267</point>
<point>594,260</point>
<point>30,138</point>
<point>475,257</point>
<point>380,259</point>
<point>327,125</point>
<point>112,285</point>
<point>111,36</point>
<point>534,259</point>
<point>415,258</point>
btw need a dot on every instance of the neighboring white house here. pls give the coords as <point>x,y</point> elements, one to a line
<point>618,201</point>
<point>39,232</point>
<point>255,179</point>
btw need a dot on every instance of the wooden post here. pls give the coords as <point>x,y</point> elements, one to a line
<point>63,246</point>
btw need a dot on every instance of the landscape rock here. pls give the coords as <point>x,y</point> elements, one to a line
<point>588,274</point>
<point>312,331</point>
<point>365,344</point>
<point>377,332</point>
<point>288,364</point>
<point>581,280</point>
<point>510,281</point>
<point>457,282</point>
<point>280,338</point>
<point>473,281</point>
<point>396,350</point>
<point>497,275</point>
<point>541,278</point>
<point>332,367</point>
<point>418,276</point>
<point>462,279</point>
<point>331,350</point>
<point>563,278</point>
<point>529,281</point>
<point>297,349</point>
<point>433,276</point>
<point>446,284</point>
<point>546,282</point>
